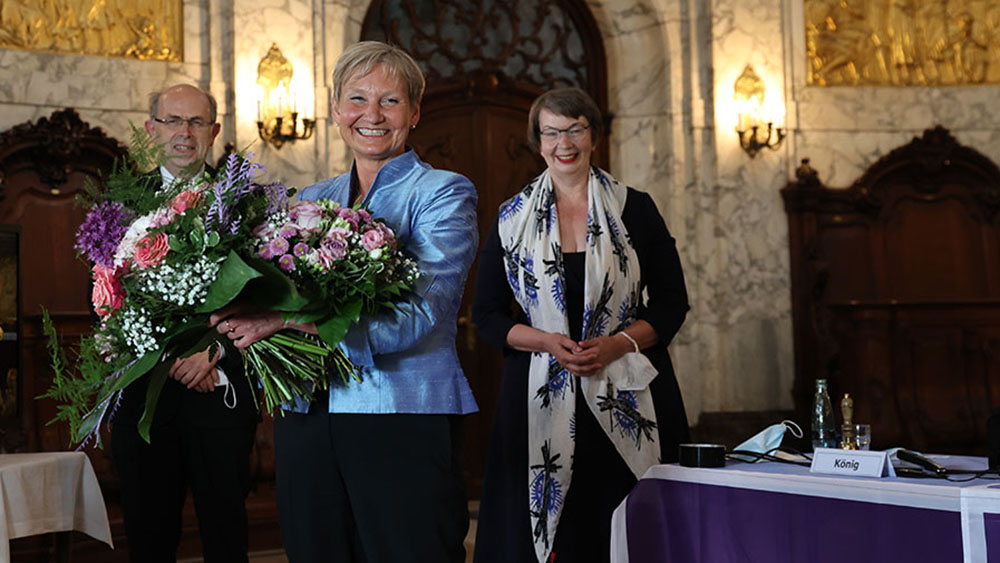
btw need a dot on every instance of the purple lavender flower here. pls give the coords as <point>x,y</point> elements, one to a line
<point>235,182</point>
<point>277,196</point>
<point>101,232</point>
<point>286,262</point>
<point>301,249</point>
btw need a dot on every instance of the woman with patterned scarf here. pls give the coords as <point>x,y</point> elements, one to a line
<point>589,399</point>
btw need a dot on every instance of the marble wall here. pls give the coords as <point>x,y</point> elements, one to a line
<point>671,66</point>
<point>107,92</point>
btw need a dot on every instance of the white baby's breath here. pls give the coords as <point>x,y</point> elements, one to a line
<point>185,285</point>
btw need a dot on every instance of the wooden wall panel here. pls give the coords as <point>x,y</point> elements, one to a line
<point>895,293</point>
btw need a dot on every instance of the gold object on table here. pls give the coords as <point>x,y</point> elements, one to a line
<point>847,429</point>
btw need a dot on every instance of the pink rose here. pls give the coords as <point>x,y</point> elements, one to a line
<point>306,215</point>
<point>337,233</point>
<point>329,251</point>
<point>365,216</point>
<point>372,239</point>
<point>107,296</point>
<point>349,215</point>
<point>387,234</point>
<point>151,250</point>
<point>185,200</point>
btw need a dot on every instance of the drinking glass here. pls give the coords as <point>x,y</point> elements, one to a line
<point>862,436</point>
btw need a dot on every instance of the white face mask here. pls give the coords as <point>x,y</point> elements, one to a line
<point>768,439</point>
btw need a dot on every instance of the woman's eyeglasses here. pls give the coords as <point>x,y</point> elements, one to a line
<point>574,133</point>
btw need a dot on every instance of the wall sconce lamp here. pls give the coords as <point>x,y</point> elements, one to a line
<point>274,75</point>
<point>749,97</point>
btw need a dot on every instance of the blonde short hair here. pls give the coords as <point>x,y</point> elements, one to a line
<point>361,58</point>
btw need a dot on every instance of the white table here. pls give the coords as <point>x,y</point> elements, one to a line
<point>49,492</point>
<point>782,513</point>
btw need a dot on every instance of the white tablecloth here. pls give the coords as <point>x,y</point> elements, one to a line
<point>50,492</point>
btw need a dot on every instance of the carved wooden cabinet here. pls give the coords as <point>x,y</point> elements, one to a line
<point>928,373</point>
<point>896,293</point>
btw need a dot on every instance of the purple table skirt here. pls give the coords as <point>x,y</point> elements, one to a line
<point>992,524</point>
<point>672,521</point>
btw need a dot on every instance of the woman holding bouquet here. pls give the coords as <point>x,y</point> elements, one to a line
<point>589,399</point>
<point>370,471</point>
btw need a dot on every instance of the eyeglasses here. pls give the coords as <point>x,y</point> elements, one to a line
<point>574,133</point>
<point>178,122</point>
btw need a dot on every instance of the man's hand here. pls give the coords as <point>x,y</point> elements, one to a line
<point>197,371</point>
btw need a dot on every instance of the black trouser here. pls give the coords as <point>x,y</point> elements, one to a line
<point>213,462</point>
<point>373,488</point>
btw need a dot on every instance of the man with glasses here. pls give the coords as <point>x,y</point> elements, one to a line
<point>204,423</point>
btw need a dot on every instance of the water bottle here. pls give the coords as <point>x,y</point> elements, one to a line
<point>824,434</point>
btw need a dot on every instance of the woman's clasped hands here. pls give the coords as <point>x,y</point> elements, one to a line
<point>588,357</point>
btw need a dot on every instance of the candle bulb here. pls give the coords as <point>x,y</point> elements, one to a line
<point>279,107</point>
<point>259,116</point>
<point>295,103</point>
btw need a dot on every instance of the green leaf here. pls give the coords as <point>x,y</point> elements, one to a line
<point>196,239</point>
<point>135,371</point>
<point>212,240</point>
<point>156,381</point>
<point>175,243</point>
<point>274,290</point>
<point>305,316</point>
<point>87,425</point>
<point>233,276</point>
<point>333,330</point>
<point>209,336</point>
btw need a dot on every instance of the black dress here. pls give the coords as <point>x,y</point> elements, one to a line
<point>601,479</point>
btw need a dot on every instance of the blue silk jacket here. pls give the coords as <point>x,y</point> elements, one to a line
<point>407,357</point>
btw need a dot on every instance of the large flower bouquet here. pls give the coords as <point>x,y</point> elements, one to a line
<point>163,259</point>
<point>343,260</point>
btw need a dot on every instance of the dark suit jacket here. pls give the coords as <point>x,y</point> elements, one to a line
<point>178,404</point>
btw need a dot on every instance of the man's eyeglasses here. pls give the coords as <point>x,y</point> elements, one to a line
<point>574,133</point>
<point>178,122</point>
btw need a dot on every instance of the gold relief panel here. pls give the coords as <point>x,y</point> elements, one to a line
<point>135,29</point>
<point>902,42</point>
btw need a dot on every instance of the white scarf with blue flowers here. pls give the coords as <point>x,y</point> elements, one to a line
<point>619,394</point>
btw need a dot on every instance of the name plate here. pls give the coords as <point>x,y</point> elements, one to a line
<point>851,462</point>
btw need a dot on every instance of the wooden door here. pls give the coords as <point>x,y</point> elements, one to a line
<point>485,62</point>
<point>483,138</point>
